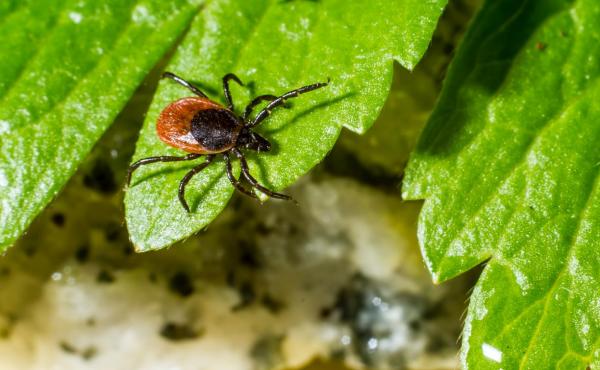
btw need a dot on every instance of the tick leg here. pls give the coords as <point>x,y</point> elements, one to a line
<point>235,182</point>
<point>185,83</point>
<point>188,176</point>
<point>226,78</point>
<point>281,100</point>
<point>255,102</point>
<point>162,158</point>
<point>254,182</point>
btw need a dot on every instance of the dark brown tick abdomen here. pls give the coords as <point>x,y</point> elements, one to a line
<point>215,129</point>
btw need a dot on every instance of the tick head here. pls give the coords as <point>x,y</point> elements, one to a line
<point>253,141</point>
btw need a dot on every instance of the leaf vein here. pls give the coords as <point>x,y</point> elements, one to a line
<point>526,152</point>
<point>42,41</point>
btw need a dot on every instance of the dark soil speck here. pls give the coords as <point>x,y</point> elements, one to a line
<point>58,219</point>
<point>181,284</point>
<point>177,332</point>
<point>105,277</point>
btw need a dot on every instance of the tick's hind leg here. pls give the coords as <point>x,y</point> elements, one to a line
<point>188,176</point>
<point>236,182</point>
<point>281,100</point>
<point>254,182</point>
<point>256,101</point>
<point>162,158</point>
<point>185,83</point>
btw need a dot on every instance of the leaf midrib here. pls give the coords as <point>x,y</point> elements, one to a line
<point>572,248</point>
<point>544,298</point>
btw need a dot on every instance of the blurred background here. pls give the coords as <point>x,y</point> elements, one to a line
<point>334,283</point>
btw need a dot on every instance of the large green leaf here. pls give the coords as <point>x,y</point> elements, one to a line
<point>66,70</point>
<point>508,165</point>
<point>275,46</point>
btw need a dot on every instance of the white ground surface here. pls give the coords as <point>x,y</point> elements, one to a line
<point>68,320</point>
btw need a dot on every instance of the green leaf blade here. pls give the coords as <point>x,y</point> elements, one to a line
<point>60,94</point>
<point>509,167</point>
<point>276,46</point>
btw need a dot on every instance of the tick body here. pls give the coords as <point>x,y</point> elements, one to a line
<point>198,125</point>
<point>204,128</point>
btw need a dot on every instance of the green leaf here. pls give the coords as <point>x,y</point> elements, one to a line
<point>508,165</point>
<point>275,46</point>
<point>66,70</point>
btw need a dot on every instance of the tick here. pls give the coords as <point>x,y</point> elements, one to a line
<point>206,128</point>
